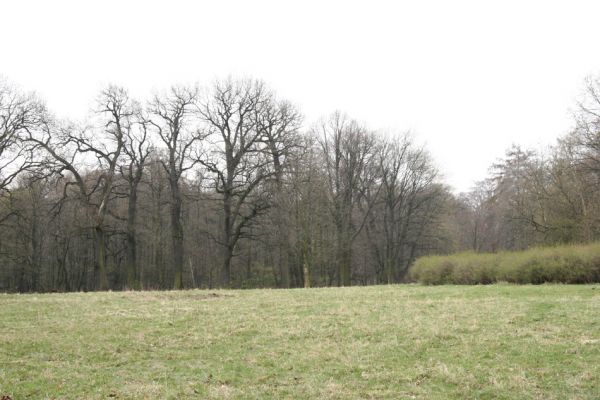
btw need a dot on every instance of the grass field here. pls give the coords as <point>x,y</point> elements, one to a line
<point>392,342</point>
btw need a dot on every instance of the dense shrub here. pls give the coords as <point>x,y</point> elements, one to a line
<point>561,264</point>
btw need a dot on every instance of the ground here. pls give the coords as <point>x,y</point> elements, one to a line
<point>388,342</point>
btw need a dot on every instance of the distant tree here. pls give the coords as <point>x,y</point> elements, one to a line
<point>587,131</point>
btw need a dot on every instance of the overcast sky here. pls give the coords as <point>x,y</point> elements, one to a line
<point>468,78</point>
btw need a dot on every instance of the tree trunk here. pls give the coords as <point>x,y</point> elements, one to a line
<point>389,269</point>
<point>101,257</point>
<point>177,238</point>
<point>345,260</point>
<point>227,238</point>
<point>176,232</point>
<point>284,259</point>
<point>226,273</point>
<point>132,273</point>
<point>306,273</point>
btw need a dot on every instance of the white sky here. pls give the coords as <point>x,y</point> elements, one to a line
<point>469,78</point>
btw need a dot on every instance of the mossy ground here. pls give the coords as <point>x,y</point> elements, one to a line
<point>393,342</point>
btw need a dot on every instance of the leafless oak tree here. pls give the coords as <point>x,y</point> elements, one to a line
<point>172,117</point>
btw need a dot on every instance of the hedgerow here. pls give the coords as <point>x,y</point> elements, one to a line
<point>559,264</point>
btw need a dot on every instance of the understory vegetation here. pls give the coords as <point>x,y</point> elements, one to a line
<point>377,342</point>
<point>558,264</point>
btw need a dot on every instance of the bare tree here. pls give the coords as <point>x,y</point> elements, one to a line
<point>587,131</point>
<point>239,116</point>
<point>68,147</point>
<point>407,178</point>
<point>349,153</point>
<point>117,111</point>
<point>19,113</point>
<point>137,149</point>
<point>172,117</point>
<point>280,122</point>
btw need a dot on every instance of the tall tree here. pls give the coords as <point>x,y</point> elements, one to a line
<point>281,124</point>
<point>246,130</point>
<point>67,146</point>
<point>117,111</point>
<point>138,149</point>
<point>407,178</point>
<point>349,152</point>
<point>172,116</point>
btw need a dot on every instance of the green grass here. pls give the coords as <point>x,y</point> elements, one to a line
<point>556,264</point>
<point>389,342</point>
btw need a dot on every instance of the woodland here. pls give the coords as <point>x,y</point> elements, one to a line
<point>226,185</point>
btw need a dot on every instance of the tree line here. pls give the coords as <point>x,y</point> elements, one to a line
<point>226,185</point>
<point>216,186</point>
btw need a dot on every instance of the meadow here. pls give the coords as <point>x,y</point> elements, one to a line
<point>497,341</point>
